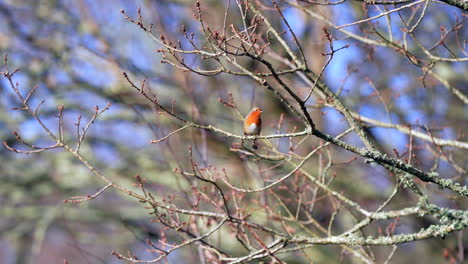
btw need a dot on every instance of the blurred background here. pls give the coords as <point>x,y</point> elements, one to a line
<point>76,51</point>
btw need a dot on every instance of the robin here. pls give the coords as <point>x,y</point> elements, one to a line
<point>253,124</point>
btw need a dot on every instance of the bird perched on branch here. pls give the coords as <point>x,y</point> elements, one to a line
<point>253,124</point>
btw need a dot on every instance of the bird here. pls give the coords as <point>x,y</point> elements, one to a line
<point>253,124</point>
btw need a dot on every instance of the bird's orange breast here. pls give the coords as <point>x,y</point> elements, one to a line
<point>253,123</point>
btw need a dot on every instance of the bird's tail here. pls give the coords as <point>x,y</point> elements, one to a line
<point>254,144</point>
